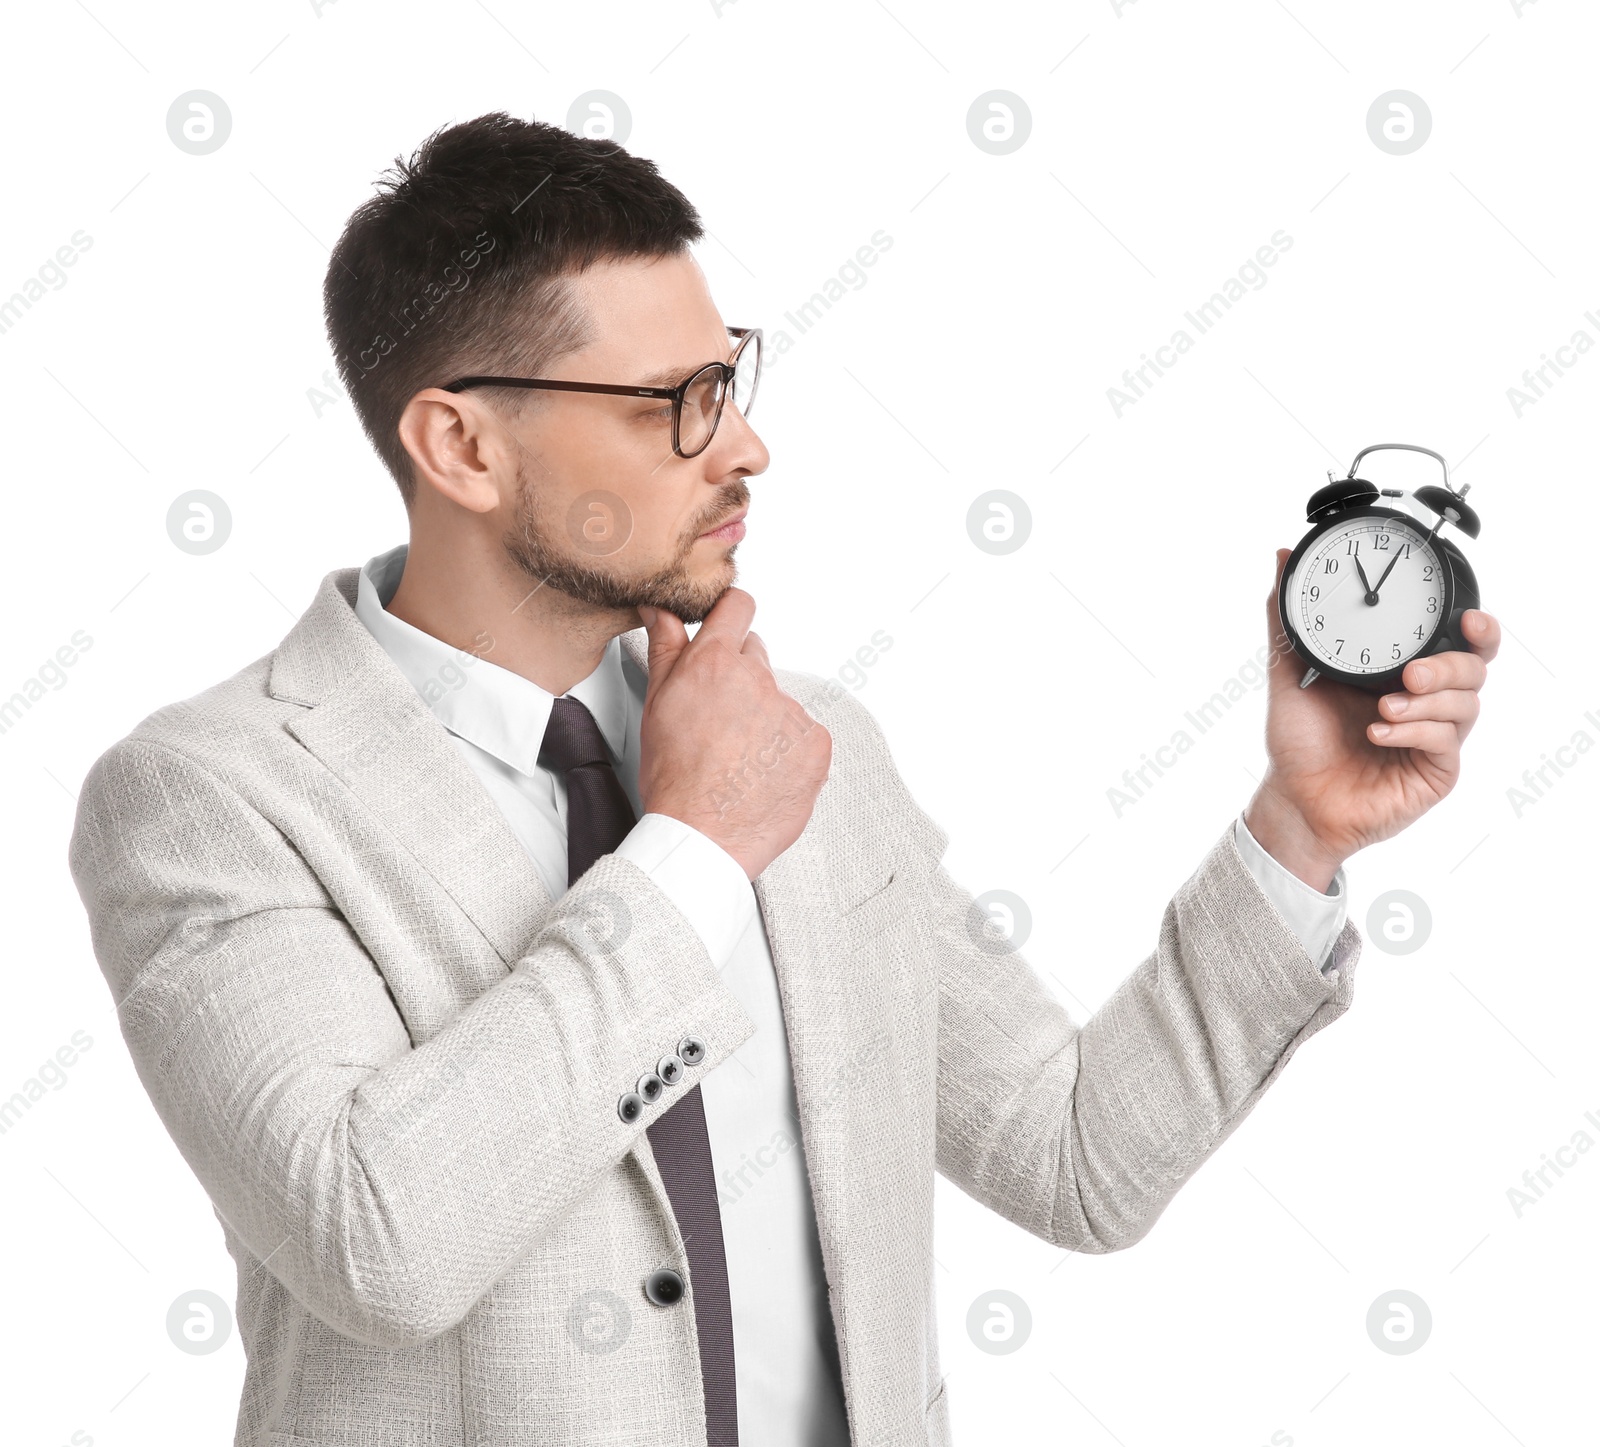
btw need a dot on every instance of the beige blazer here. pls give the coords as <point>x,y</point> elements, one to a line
<point>394,1065</point>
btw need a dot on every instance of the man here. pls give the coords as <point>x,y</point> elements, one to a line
<point>566,1025</point>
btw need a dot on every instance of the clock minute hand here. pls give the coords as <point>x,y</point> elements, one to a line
<point>1392,561</point>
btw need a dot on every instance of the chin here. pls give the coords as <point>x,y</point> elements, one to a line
<point>696,612</point>
<point>688,595</point>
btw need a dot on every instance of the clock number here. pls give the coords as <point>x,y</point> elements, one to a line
<point>1366,655</point>
<point>1316,592</point>
<point>1382,543</point>
<point>1405,550</point>
<point>1396,652</point>
<point>1433,604</point>
<point>1317,626</point>
<point>1352,548</point>
<point>1340,648</point>
<point>1331,566</point>
<point>1427,572</point>
<point>1419,630</point>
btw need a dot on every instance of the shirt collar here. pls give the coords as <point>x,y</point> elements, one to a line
<point>499,711</point>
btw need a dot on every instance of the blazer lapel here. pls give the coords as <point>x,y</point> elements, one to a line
<point>365,721</point>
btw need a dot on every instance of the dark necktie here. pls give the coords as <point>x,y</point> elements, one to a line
<point>599,816</point>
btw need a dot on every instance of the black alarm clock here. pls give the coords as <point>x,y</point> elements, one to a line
<point>1371,587</point>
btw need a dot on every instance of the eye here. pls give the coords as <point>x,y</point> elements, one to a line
<point>657,414</point>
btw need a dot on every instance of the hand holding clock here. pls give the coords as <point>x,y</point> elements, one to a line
<point>1339,779</point>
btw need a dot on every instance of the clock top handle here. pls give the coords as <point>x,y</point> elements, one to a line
<point>1403,447</point>
<point>1449,502</point>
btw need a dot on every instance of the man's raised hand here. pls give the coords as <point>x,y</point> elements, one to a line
<point>722,746</point>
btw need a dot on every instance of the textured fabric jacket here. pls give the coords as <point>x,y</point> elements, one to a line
<point>394,1064</point>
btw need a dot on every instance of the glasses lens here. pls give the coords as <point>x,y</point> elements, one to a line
<point>702,402</point>
<point>747,372</point>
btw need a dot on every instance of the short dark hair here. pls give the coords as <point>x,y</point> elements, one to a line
<point>460,263</point>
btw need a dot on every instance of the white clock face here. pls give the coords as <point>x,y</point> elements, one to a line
<point>1336,576</point>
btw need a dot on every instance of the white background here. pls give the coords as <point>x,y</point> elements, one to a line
<point>1167,143</point>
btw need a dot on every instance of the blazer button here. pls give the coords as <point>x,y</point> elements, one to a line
<point>664,1287</point>
<point>630,1107</point>
<point>670,1069</point>
<point>650,1087</point>
<point>691,1050</point>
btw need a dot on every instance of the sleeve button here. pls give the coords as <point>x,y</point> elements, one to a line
<point>670,1069</point>
<point>650,1087</point>
<point>630,1107</point>
<point>664,1287</point>
<point>691,1050</point>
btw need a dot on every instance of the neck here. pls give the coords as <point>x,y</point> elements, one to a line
<point>473,597</point>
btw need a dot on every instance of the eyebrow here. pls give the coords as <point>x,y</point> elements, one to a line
<point>671,376</point>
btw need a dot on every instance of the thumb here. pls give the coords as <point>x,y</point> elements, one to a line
<point>668,638</point>
<point>1282,661</point>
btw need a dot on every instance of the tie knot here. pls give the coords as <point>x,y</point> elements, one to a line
<point>572,737</point>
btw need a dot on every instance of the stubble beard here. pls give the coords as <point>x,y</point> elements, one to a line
<point>535,545</point>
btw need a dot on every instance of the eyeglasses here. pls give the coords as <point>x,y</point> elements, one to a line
<point>696,402</point>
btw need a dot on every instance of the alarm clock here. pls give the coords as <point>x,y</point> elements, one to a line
<point>1370,587</point>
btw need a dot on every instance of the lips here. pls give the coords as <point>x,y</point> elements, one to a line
<point>726,522</point>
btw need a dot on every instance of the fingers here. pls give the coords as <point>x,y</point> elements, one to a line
<point>1440,691</point>
<point>1458,706</point>
<point>729,620</point>
<point>1444,670</point>
<point>726,626</point>
<point>755,649</point>
<point>668,638</point>
<point>1482,631</point>
<point>1431,717</point>
<point>1440,741</point>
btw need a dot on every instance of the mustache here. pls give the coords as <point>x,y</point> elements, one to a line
<point>723,510</point>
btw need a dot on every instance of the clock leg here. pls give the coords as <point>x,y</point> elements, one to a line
<point>1312,675</point>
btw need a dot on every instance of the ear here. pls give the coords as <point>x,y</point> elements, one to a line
<point>459,448</point>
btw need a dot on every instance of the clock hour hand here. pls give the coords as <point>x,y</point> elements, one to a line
<point>1372,593</point>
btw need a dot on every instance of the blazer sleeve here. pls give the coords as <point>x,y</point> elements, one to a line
<point>1081,1134</point>
<point>387,1185</point>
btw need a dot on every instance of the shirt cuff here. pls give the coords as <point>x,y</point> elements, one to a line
<point>698,875</point>
<point>1315,917</point>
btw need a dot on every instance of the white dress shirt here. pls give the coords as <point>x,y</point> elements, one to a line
<point>786,1361</point>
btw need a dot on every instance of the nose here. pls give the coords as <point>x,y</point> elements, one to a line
<point>737,445</point>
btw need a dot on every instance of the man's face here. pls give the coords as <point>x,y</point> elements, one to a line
<point>605,511</point>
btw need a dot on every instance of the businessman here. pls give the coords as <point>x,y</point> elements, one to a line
<point>566,1018</point>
